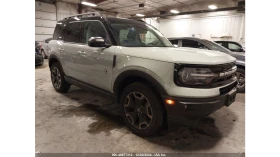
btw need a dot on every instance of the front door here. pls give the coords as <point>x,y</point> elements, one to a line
<point>96,62</point>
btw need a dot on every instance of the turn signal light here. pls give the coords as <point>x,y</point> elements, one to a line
<point>169,102</point>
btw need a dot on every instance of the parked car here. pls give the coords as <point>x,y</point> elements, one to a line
<point>232,46</point>
<point>45,48</point>
<point>209,45</point>
<point>39,60</point>
<point>148,80</point>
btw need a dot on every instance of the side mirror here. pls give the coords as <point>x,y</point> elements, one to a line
<point>97,42</point>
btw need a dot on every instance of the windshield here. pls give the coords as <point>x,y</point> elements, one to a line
<point>138,35</point>
<point>215,46</point>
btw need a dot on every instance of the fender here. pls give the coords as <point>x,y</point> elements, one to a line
<point>139,74</point>
<point>53,56</point>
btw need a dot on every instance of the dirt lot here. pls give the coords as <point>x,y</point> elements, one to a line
<point>71,123</point>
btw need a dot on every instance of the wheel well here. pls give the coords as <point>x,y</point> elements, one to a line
<point>131,79</point>
<point>51,61</point>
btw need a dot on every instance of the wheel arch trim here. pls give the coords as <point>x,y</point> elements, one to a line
<point>140,74</point>
<point>52,57</point>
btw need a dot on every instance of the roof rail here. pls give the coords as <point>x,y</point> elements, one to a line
<point>90,14</point>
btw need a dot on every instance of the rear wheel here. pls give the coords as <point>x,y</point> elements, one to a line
<point>141,109</point>
<point>58,81</point>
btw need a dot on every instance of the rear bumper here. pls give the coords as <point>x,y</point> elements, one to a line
<point>185,108</point>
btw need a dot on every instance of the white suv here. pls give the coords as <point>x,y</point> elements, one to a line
<point>148,79</point>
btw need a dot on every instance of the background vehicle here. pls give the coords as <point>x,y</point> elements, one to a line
<point>39,60</point>
<point>131,62</point>
<point>45,48</point>
<point>209,45</point>
<point>232,46</point>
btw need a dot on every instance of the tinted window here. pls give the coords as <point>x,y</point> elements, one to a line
<point>57,30</point>
<point>233,46</point>
<point>189,43</point>
<point>94,29</point>
<point>72,32</point>
<point>174,42</point>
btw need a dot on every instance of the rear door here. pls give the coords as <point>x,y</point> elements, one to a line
<point>72,41</point>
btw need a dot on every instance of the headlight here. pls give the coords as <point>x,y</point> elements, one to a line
<point>195,76</point>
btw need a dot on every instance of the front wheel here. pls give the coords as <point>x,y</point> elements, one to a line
<point>141,109</point>
<point>240,74</point>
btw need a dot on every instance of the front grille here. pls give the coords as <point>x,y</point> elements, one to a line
<point>227,89</point>
<point>221,67</point>
<point>222,80</point>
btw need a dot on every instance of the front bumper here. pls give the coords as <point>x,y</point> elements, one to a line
<point>185,108</point>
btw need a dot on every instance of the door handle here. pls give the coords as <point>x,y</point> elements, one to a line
<point>60,49</point>
<point>82,52</point>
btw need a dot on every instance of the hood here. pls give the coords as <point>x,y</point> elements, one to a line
<point>179,55</point>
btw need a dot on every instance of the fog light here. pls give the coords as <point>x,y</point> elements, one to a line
<point>169,101</point>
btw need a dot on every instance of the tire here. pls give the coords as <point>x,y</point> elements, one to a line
<point>240,73</point>
<point>57,78</point>
<point>150,111</point>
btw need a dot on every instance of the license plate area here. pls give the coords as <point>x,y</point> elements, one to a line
<point>231,97</point>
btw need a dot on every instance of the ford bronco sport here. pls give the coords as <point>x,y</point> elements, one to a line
<point>148,79</point>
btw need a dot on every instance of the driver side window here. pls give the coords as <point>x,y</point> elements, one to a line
<point>135,36</point>
<point>148,38</point>
<point>201,46</point>
<point>129,36</point>
<point>94,29</point>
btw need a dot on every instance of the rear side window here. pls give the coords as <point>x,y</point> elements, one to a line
<point>57,30</point>
<point>72,32</point>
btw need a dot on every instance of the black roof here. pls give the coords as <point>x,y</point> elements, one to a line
<point>99,17</point>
